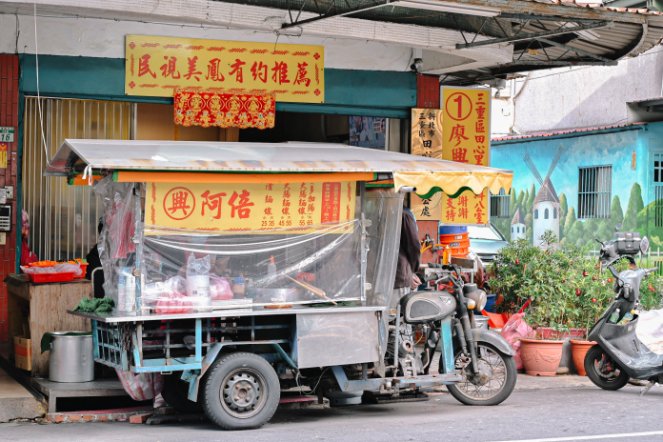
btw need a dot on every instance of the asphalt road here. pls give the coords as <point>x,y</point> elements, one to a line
<point>564,408</point>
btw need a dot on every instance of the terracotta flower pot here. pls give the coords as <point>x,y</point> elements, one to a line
<point>540,357</point>
<point>579,349</point>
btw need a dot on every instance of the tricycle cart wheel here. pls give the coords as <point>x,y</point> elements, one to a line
<point>241,391</point>
<point>175,393</point>
<point>494,382</point>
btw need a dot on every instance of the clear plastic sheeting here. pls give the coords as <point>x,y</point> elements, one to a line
<point>383,209</point>
<point>118,240</point>
<point>190,271</point>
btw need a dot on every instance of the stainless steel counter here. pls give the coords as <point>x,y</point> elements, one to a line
<point>134,317</point>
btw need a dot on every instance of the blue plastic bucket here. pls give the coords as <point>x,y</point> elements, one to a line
<point>448,230</point>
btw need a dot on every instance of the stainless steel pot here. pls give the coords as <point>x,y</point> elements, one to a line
<point>266,295</point>
<point>71,358</point>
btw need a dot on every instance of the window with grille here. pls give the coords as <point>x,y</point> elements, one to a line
<point>499,205</point>
<point>594,189</point>
<point>64,218</point>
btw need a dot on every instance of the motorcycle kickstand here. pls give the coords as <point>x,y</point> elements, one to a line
<point>647,387</point>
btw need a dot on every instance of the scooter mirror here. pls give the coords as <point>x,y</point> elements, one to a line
<point>644,245</point>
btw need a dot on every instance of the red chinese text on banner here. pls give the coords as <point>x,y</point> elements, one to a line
<point>208,108</point>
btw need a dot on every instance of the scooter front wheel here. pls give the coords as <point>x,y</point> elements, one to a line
<point>603,371</point>
<point>494,382</point>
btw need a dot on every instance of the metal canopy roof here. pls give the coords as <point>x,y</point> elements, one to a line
<point>75,156</point>
<point>543,34</point>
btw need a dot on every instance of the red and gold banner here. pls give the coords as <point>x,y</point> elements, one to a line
<point>157,66</point>
<point>202,108</point>
<point>466,139</point>
<point>236,207</point>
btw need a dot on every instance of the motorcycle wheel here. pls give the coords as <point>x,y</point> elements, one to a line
<point>603,371</point>
<point>503,374</point>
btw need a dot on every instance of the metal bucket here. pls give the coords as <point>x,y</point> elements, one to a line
<point>71,358</point>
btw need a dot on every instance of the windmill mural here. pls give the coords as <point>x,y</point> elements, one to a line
<point>545,212</point>
<point>518,225</point>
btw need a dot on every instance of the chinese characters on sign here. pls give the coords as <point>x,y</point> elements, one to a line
<point>193,108</point>
<point>426,133</point>
<point>466,139</point>
<point>249,207</point>
<point>157,66</point>
<point>426,140</point>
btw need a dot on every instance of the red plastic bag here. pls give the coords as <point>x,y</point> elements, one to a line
<point>141,386</point>
<point>514,329</point>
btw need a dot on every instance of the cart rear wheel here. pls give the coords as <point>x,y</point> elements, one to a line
<point>241,391</point>
<point>175,393</point>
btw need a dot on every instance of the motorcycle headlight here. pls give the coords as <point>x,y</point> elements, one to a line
<point>478,297</point>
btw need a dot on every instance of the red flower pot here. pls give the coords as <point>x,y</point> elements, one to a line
<point>541,357</point>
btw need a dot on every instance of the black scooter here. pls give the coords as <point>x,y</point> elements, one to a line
<point>619,354</point>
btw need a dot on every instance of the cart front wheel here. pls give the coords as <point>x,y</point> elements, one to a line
<point>241,391</point>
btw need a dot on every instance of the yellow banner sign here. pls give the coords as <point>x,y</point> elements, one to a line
<point>426,133</point>
<point>3,155</point>
<point>248,207</point>
<point>466,139</point>
<point>156,66</point>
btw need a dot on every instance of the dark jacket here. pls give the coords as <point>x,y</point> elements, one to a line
<point>408,252</point>
<point>93,261</point>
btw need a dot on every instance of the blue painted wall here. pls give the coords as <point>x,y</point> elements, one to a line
<point>616,147</point>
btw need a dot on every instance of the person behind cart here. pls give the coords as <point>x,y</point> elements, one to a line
<point>409,255</point>
<point>27,255</point>
<point>94,262</point>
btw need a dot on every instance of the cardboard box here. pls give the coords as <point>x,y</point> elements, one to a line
<point>23,353</point>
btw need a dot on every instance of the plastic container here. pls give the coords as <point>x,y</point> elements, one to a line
<point>40,278</point>
<point>71,358</point>
<point>448,230</point>
<point>490,304</point>
<point>456,238</point>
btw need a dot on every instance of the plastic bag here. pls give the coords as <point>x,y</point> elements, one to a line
<point>514,329</point>
<point>141,386</point>
<point>650,330</point>
<point>174,298</point>
<point>220,289</point>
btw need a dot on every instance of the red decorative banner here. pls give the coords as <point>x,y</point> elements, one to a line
<point>206,108</point>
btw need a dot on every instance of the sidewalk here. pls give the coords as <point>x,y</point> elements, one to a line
<point>526,382</point>
<point>17,402</point>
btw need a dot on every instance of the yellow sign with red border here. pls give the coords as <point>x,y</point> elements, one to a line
<point>4,150</point>
<point>157,66</point>
<point>255,207</point>
<point>466,139</point>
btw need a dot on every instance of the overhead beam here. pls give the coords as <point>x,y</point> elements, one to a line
<point>538,35</point>
<point>335,14</point>
<point>578,51</point>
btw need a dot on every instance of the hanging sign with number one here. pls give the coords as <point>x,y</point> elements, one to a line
<point>466,139</point>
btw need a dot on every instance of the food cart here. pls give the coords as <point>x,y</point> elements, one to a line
<point>239,269</point>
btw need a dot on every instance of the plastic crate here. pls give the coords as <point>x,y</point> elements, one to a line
<point>40,278</point>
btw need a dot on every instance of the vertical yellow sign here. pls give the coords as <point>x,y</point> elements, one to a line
<point>466,139</point>
<point>426,133</point>
<point>3,155</point>
<point>426,140</point>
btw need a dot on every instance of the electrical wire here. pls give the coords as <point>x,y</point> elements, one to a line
<point>41,112</point>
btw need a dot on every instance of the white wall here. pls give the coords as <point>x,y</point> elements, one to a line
<point>582,96</point>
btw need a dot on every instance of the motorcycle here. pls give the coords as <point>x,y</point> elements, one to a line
<point>618,354</point>
<point>482,358</point>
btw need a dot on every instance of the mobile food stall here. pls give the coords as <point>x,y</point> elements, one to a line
<point>239,270</point>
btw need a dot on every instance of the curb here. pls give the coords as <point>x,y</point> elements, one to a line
<point>113,415</point>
